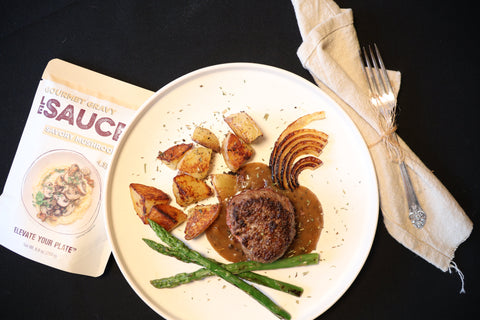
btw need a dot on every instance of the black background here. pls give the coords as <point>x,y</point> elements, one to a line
<point>150,43</point>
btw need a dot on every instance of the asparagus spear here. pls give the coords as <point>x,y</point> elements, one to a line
<point>242,269</point>
<point>182,278</point>
<point>194,256</point>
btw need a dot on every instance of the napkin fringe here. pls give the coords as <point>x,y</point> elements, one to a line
<point>455,267</point>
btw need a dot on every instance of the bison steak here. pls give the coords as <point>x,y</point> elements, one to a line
<point>263,221</point>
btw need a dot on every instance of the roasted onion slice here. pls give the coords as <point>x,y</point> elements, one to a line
<point>299,124</point>
<point>289,141</point>
<point>293,143</point>
<point>302,164</point>
<point>302,122</point>
<point>297,143</point>
<point>306,148</point>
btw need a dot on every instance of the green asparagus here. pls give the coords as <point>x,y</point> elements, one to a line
<point>196,257</point>
<point>242,269</point>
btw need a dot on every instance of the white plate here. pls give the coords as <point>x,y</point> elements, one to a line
<point>345,185</point>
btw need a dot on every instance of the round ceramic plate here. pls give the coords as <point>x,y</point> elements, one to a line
<point>345,185</point>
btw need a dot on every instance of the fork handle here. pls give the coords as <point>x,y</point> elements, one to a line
<point>416,214</point>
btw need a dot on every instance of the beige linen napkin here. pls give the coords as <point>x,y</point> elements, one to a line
<point>330,51</point>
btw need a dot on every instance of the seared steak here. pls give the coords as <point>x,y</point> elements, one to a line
<point>263,221</point>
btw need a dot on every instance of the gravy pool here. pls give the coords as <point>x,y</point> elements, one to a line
<point>308,214</point>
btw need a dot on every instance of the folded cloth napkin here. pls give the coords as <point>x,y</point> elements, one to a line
<point>330,51</point>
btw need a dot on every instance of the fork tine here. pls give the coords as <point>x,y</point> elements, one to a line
<point>365,65</point>
<point>377,76</point>
<point>367,68</point>
<point>384,70</point>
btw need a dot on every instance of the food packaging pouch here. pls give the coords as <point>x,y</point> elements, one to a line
<point>51,206</point>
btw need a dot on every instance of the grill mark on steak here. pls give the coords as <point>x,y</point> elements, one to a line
<point>263,222</point>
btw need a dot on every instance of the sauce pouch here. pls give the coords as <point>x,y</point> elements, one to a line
<point>51,205</point>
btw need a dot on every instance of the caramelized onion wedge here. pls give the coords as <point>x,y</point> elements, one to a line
<point>298,124</point>
<point>291,140</point>
<point>307,148</point>
<point>302,164</point>
<point>294,142</point>
<point>302,122</point>
<point>280,146</point>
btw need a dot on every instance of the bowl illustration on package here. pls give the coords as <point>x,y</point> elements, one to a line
<point>61,191</point>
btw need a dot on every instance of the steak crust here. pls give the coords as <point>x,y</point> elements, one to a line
<point>263,221</point>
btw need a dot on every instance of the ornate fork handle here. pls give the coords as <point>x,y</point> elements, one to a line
<point>416,214</point>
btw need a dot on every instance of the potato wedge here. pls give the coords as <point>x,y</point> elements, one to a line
<point>196,162</point>
<point>188,190</point>
<point>206,138</point>
<point>174,154</point>
<point>235,151</point>
<point>244,126</point>
<point>145,197</point>
<point>224,185</point>
<point>167,216</point>
<point>199,219</point>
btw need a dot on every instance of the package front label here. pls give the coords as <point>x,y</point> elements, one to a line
<point>51,205</point>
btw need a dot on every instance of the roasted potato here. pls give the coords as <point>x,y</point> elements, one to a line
<point>174,154</point>
<point>167,216</point>
<point>145,197</point>
<point>199,219</point>
<point>206,138</point>
<point>235,151</point>
<point>244,126</point>
<point>188,189</point>
<point>196,162</point>
<point>224,185</point>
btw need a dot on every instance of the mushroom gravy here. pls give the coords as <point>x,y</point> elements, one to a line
<point>308,214</point>
<point>63,194</point>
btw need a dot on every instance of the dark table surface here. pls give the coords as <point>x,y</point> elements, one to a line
<point>150,43</point>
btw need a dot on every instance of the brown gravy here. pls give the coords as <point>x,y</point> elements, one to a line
<point>308,212</point>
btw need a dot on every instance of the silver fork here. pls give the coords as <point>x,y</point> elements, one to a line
<point>384,100</point>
